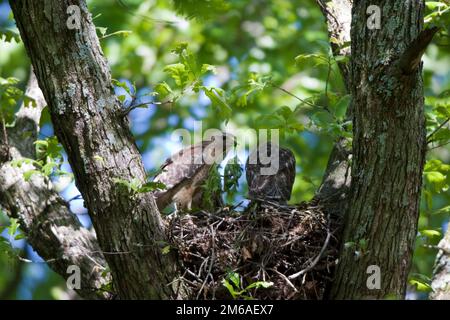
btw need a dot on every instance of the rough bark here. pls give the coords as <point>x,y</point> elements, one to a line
<point>74,77</point>
<point>44,217</point>
<point>338,15</point>
<point>441,273</point>
<point>336,180</point>
<point>388,152</point>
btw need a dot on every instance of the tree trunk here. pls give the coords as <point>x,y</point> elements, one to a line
<point>389,148</point>
<point>76,83</point>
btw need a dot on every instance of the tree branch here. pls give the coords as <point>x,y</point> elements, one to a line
<point>76,82</point>
<point>338,15</point>
<point>410,60</point>
<point>441,273</point>
<point>336,180</point>
<point>44,217</point>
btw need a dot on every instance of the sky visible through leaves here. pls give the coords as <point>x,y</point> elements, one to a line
<point>232,65</point>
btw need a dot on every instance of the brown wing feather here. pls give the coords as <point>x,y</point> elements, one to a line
<point>274,187</point>
<point>178,170</point>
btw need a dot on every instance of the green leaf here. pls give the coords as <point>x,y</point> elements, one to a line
<point>122,98</point>
<point>20,236</point>
<point>428,199</point>
<point>430,233</point>
<point>432,5</point>
<point>122,85</point>
<point>343,59</point>
<point>420,285</point>
<point>437,179</point>
<point>163,90</point>
<point>49,148</point>
<point>28,101</point>
<point>230,288</point>
<point>436,165</point>
<point>212,188</point>
<point>340,107</point>
<point>179,73</point>
<point>232,172</point>
<point>444,210</point>
<point>235,278</point>
<point>165,250</point>
<point>8,35</point>
<point>131,186</point>
<point>13,227</point>
<point>259,284</point>
<point>151,186</point>
<point>311,60</point>
<point>208,68</point>
<point>217,97</point>
<point>28,174</point>
<point>102,30</point>
<point>272,121</point>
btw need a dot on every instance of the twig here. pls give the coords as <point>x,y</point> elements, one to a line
<point>213,235</point>
<point>5,137</point>
<point>439,146</point>
<point>316,260</point>
<point>285,279</point>
<point>436,130</point>
<point>294,96</point>
<point>126,111</point>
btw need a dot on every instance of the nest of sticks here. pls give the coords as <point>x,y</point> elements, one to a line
<point>268,251</point>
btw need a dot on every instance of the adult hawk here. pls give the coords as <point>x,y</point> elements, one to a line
<point>185,172</point>
<point>270,173</point>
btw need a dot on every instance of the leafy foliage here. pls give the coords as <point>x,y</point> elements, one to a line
<point>135,186</point>
<point>232,173</point>
<point>235,286</point>
<point>202,9</point>
<point>10,95</point>
<point>8,35</point>
<point>212,189</point>
<point>49,159</point>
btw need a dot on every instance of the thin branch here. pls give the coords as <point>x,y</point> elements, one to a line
<point>436,130</point>
<point>316,260</point>
<point>285,279</point>
<point>439,146</point>
<point>301,100</point>
<point>149,19</point>
<point>140,105</point>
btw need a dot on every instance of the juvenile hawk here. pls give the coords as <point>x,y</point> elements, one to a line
<point>270,173</point>
<point>185,172</point>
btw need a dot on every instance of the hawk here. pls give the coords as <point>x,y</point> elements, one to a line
<point>185,172</point>
<point>270,173</point>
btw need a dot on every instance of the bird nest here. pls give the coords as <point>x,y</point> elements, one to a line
<point>268,251</point>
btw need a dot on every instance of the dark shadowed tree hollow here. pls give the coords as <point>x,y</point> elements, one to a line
<point>361,222</point>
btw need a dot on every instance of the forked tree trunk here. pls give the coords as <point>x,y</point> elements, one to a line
<point>384,78</point>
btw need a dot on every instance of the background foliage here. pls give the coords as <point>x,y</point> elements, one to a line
<point>233,65</point>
